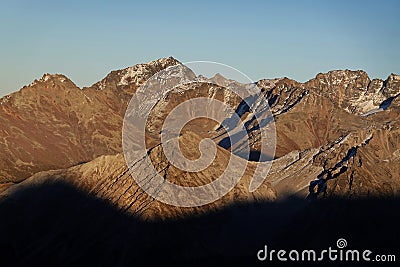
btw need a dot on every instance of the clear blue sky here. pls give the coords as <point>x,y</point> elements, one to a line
<point>263,39</point>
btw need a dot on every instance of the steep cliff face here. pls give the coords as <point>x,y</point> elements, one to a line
<point>354,91</point>
<point>337,134</point>
<point>391,86</point>
<point>367,167</point>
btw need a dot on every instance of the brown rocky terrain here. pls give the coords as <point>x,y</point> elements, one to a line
<point>108,177</point>
<point>52,124</point>
<point>337,135</point>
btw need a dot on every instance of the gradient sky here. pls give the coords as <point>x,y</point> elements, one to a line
<point>264,39</point>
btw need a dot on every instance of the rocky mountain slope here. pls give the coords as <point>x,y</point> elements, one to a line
<point>337,134</point>
<point>53,124</point>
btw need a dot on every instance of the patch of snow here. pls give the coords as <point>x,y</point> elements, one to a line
<point>395,77</point>
<point>5,99</point>
<point>368,105</point>
<point>102,84</point>
<point>343,139</point>
<point>365,103</point>
<point>45,77</point>
<point>33,83</point>
<point>337,81</point>
<point>371,112</point>
<point>134,74</point>
<point>367,139</point>
<point>127,76</point>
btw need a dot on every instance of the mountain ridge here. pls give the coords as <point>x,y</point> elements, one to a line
<point>52,126</point>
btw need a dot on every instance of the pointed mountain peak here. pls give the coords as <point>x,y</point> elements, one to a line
<point>392,86</point>
<point>59,77</point>
<point>134,75</point>
<point>56,78</point>
<point>343,75</point>
<point>219,76</point>
<point>394,77</point>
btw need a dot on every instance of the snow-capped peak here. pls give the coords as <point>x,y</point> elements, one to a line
<point>46,77</point>
<point>139,73</point>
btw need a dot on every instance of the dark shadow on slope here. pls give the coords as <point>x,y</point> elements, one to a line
<point>242,134</point>
<point>386,104</point>
<point>54,224</point>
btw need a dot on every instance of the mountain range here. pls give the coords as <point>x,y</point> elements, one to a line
<point>68,198</point>
<point>338,132</point>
